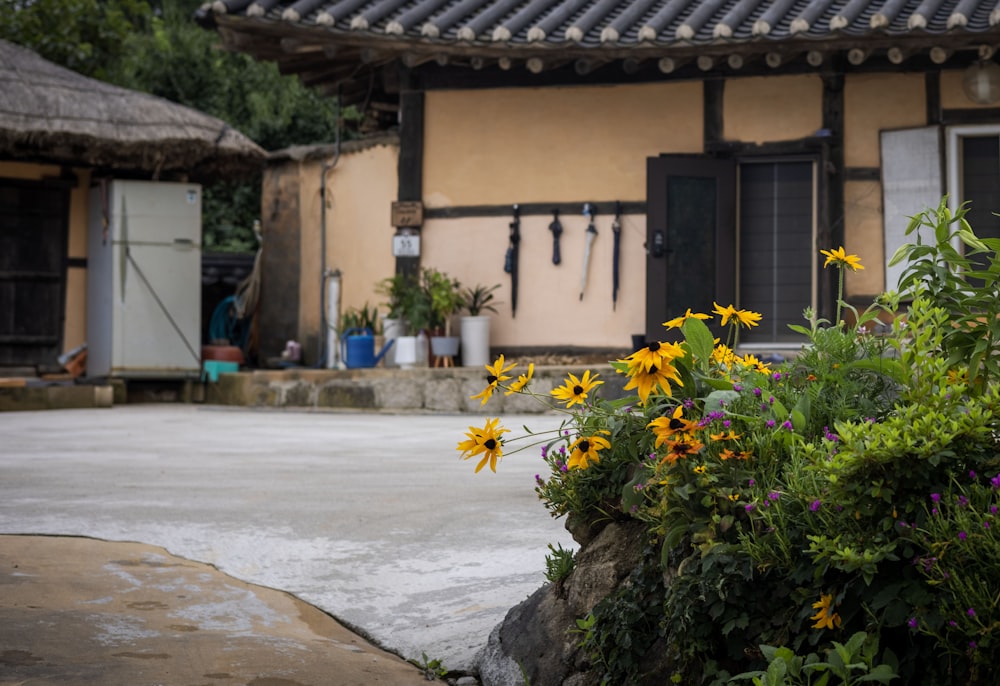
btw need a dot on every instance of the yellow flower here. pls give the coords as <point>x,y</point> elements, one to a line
<point>750,361</point>
<point>681,448</point>
<point>734,496</point>
<point>653,355</point>
<point>825,617</point>
<point>574,391</point>
<point>958,376</point>
<point>747,319</point>
<point>700,469</point>
<point>486,441</point>
<point>666,428</point>
<point>723,355</point>
<point>725,436</point>
<point>585,449</point>
<point>841,259</point>
<point>725,312</point>
<point>522,380</point>
<point>647,380</point>
<point>495,377</point>
<point>678,322</point>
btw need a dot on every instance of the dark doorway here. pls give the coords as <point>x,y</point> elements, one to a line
<point>34,220</point>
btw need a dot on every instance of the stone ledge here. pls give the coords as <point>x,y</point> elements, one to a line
<point>445,390</point>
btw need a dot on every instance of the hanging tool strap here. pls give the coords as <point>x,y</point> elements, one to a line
<point>556,228</point>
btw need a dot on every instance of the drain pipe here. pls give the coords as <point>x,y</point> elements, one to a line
<point>333,360</point>
<point>326,326</point>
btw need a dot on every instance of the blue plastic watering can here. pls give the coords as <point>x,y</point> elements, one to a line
<point>357,348</point>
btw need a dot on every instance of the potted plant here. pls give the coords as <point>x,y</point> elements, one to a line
<point>475,326</point>
<point>398,290</point>
<point>443,298</point>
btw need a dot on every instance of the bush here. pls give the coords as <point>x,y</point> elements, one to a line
<point>852,491</point>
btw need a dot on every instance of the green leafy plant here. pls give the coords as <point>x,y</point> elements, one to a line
<point>479,299</point>
<point>851,492</point>
<point>433,669</point>
<point>443,297</point>
<point>559,563</point>
<point>364,317</point>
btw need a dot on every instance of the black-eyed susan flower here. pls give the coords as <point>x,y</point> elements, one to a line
<point>723,355</point>
<point>522,380</point>
<point>585,449</point>
<point>678,322</point>
<point>747,319</point>
<point>645,381</point>
<point>654,355</point>
<point>700,469</point>
<point>667,428</point>
<point>497,375</point>
<point>725,436</point>
<point>825,617</point>
<point>839,258</point>
<point>750,361</point>
<point>574,391</point>
<point>726,313</point>
<point>683,447</point>
<point>485,441</point>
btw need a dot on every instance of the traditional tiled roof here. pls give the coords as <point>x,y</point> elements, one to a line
<point>595,24</point>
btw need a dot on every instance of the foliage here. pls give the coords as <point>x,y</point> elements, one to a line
<point>785,668</point>
<point>396,289</point>
<point>852,491</point>
<point>156,47</point>
<point>364,317</point>
<point>433,669</point>
<point>443,297</point>
<point>559,563</point>
<point>479,298</point>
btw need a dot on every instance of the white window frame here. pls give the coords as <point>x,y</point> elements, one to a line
<point>953,156</point>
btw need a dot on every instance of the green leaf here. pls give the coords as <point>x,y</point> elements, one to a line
<point>700,340</point>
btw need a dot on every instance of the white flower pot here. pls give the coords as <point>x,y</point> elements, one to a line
<point>406,352</point>
<point>392,329</point>
<point>475,341</point>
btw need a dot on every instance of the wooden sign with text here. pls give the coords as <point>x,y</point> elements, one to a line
<point>407,213</point>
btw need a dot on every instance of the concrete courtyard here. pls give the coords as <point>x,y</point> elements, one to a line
<point>371,517</point>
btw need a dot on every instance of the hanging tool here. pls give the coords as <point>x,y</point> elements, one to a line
<point>589,210</point>
<point>556,228</point>
<point>510,260</point>
<point>616,227</point>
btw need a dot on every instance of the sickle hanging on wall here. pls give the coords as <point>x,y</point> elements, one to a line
<point>616,227</point>
<point>589,210</point>
<point>510,260</point>
<point>556,228</point>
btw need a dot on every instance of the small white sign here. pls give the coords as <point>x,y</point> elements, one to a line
<point>192,197</point>
<point>404,245</point>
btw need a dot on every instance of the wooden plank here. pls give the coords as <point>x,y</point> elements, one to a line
<point>531,209</point>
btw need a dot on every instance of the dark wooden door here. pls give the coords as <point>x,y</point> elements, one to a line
<point>33,232</point>
<point>690,237</point>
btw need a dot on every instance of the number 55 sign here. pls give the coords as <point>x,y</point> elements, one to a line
<point>406,245</point>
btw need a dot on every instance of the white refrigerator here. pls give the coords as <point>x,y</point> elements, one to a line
<point>144,280</point>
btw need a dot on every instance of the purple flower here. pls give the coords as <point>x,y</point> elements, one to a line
<point>770,400</point>
<point>952,623</point>
<point>634,509</point>
<point>776,376</point>
<point>986,525</point>
<point>830,436</point>
<point>971,612</point>
<point>749,507</point>
<point>993,509</point>
<point>726,424</point>
<point>770,423</point>
<point>933,510</point>
<point>751,482</point>
<point>815,505</point>
<point>972,645</point>
<point>639,487</point>
<point>737,387</point>
<point>787,425</point>
<point>962,501</point>
<point>688,403</point>
<point>962,535</point>
<point>757,393</point>
<point>773,495</point>
<point>995,482</point>
<point>563,467</point>
<point>912,622</point>
<point>936,497</point>
<point>972,475</point>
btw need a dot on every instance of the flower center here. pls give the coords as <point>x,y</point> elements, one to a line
<point>584,446</point>
<point>675,423</point>
<point>577,390</point>
<point>653,347</point>
<point>490,444</point>
<point>491,379</point>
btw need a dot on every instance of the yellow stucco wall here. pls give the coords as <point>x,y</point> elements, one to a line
<point>549,310</point>
<point>863,237</point>
<point>772,108</point>
<point>499,147</point>
<point>873,102</point>
<point>361,188</point>
<point>952,95</point>
<point>75,313</point>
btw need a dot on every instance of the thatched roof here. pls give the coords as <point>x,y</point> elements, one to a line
<point>49,113</point>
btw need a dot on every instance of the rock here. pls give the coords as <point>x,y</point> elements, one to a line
<point>539,637</point>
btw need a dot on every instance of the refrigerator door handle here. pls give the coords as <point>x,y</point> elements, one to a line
<point>183,243</point>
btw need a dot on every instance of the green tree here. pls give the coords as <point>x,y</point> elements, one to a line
<point>156,47</point>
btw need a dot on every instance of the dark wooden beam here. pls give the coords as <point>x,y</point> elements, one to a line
<point>831,185</point>
<point>712,95</point>
<point>410,170</point>
<point>532,209</point>
<point>862,174</point>
<point>932,86</point>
